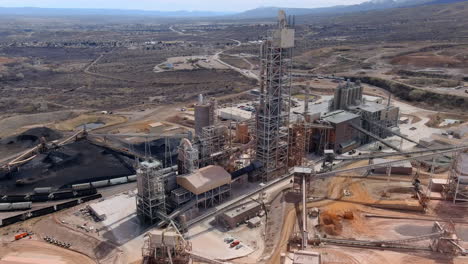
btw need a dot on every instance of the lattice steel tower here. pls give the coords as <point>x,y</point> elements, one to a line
<point>275,100</point>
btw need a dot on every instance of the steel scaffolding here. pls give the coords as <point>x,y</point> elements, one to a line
<point>212,141</point>
<point>151,197</point>
<point>275,102</point>
<point>457,188</point>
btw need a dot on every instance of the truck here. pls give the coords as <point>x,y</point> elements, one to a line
<point>20,236</point>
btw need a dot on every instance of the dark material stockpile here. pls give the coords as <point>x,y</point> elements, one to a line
<point>157,149</point>
<point>78,162</point>
<point>27,140</point>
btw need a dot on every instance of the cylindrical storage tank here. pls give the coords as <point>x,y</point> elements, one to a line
<point>15,206</point>
<point>99,184</point>
<point>82,186</point>
<point>132,178</point>
<point>242,133</point>
<point>118,181</point>
<point>43,190</point>
<point>202,118</point>
<point>21,206</point>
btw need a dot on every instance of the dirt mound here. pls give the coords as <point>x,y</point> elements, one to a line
<point>331,223</point>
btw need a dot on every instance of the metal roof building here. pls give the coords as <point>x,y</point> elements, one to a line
<point>343,137</point>
<point>204,179</point>
<point>207,185</point>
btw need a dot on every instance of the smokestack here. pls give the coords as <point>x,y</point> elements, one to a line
<point>200,99</point>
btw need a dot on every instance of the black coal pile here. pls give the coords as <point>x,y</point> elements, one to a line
<point>26,140</point>
<point>157,149</point>
<point>74,163</point>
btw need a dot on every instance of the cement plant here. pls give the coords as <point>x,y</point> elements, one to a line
<point>277,164</point>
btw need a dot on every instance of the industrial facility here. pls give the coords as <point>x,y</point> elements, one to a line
<point>227,170</point>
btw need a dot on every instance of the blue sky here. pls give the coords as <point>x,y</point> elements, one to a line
<point>170,5</point>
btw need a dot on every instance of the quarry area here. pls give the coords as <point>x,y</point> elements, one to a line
<point>218,143</point>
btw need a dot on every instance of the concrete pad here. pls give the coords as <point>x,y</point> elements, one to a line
<point>121,219</point>
<point>211,244</point>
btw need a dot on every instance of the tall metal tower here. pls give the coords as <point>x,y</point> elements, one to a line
<point>151,197</point>
<point>275,100</point>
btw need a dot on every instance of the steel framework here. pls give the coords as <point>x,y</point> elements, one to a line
<point>457,188</point>
<point>151,197</point>
<point>212,141</point>
<point>275,103</point>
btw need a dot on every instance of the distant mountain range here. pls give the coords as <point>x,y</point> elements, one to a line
<point>105,12</point>
<point>262,12</point>
<point>265,12</point>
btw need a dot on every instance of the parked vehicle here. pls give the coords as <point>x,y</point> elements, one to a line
<point>20,236</point>
<point>235,243</point>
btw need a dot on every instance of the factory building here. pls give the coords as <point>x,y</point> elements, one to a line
<point>343,137</point>
<point>377,118</point>
<point>153,184</point>
<point>238,215</point>
<point>346,95</point>
<point>206,186</point>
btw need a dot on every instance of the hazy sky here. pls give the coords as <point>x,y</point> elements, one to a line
<point>166,5</point>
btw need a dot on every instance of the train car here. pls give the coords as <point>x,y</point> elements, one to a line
<point>14,198</point>
<point>86,192</point>
<point>62,195</point>
<point>43,190</point>
<point>43,211</point>
<point>132,178</point>
<point>82,186</point>
<point>100,184</point>
<point>120,180</point>
<point>66,205</point>
<point>39,197</point>
<point>15,206</point>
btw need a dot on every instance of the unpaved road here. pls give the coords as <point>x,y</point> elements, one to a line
<point>40,252</point>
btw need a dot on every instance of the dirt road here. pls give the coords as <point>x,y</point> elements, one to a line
<point>33,251</point>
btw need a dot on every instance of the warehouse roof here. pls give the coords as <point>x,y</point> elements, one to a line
<point>339,116</point>
<point>204,179</point>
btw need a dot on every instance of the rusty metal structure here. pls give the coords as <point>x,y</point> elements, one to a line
<point>272,126</point>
